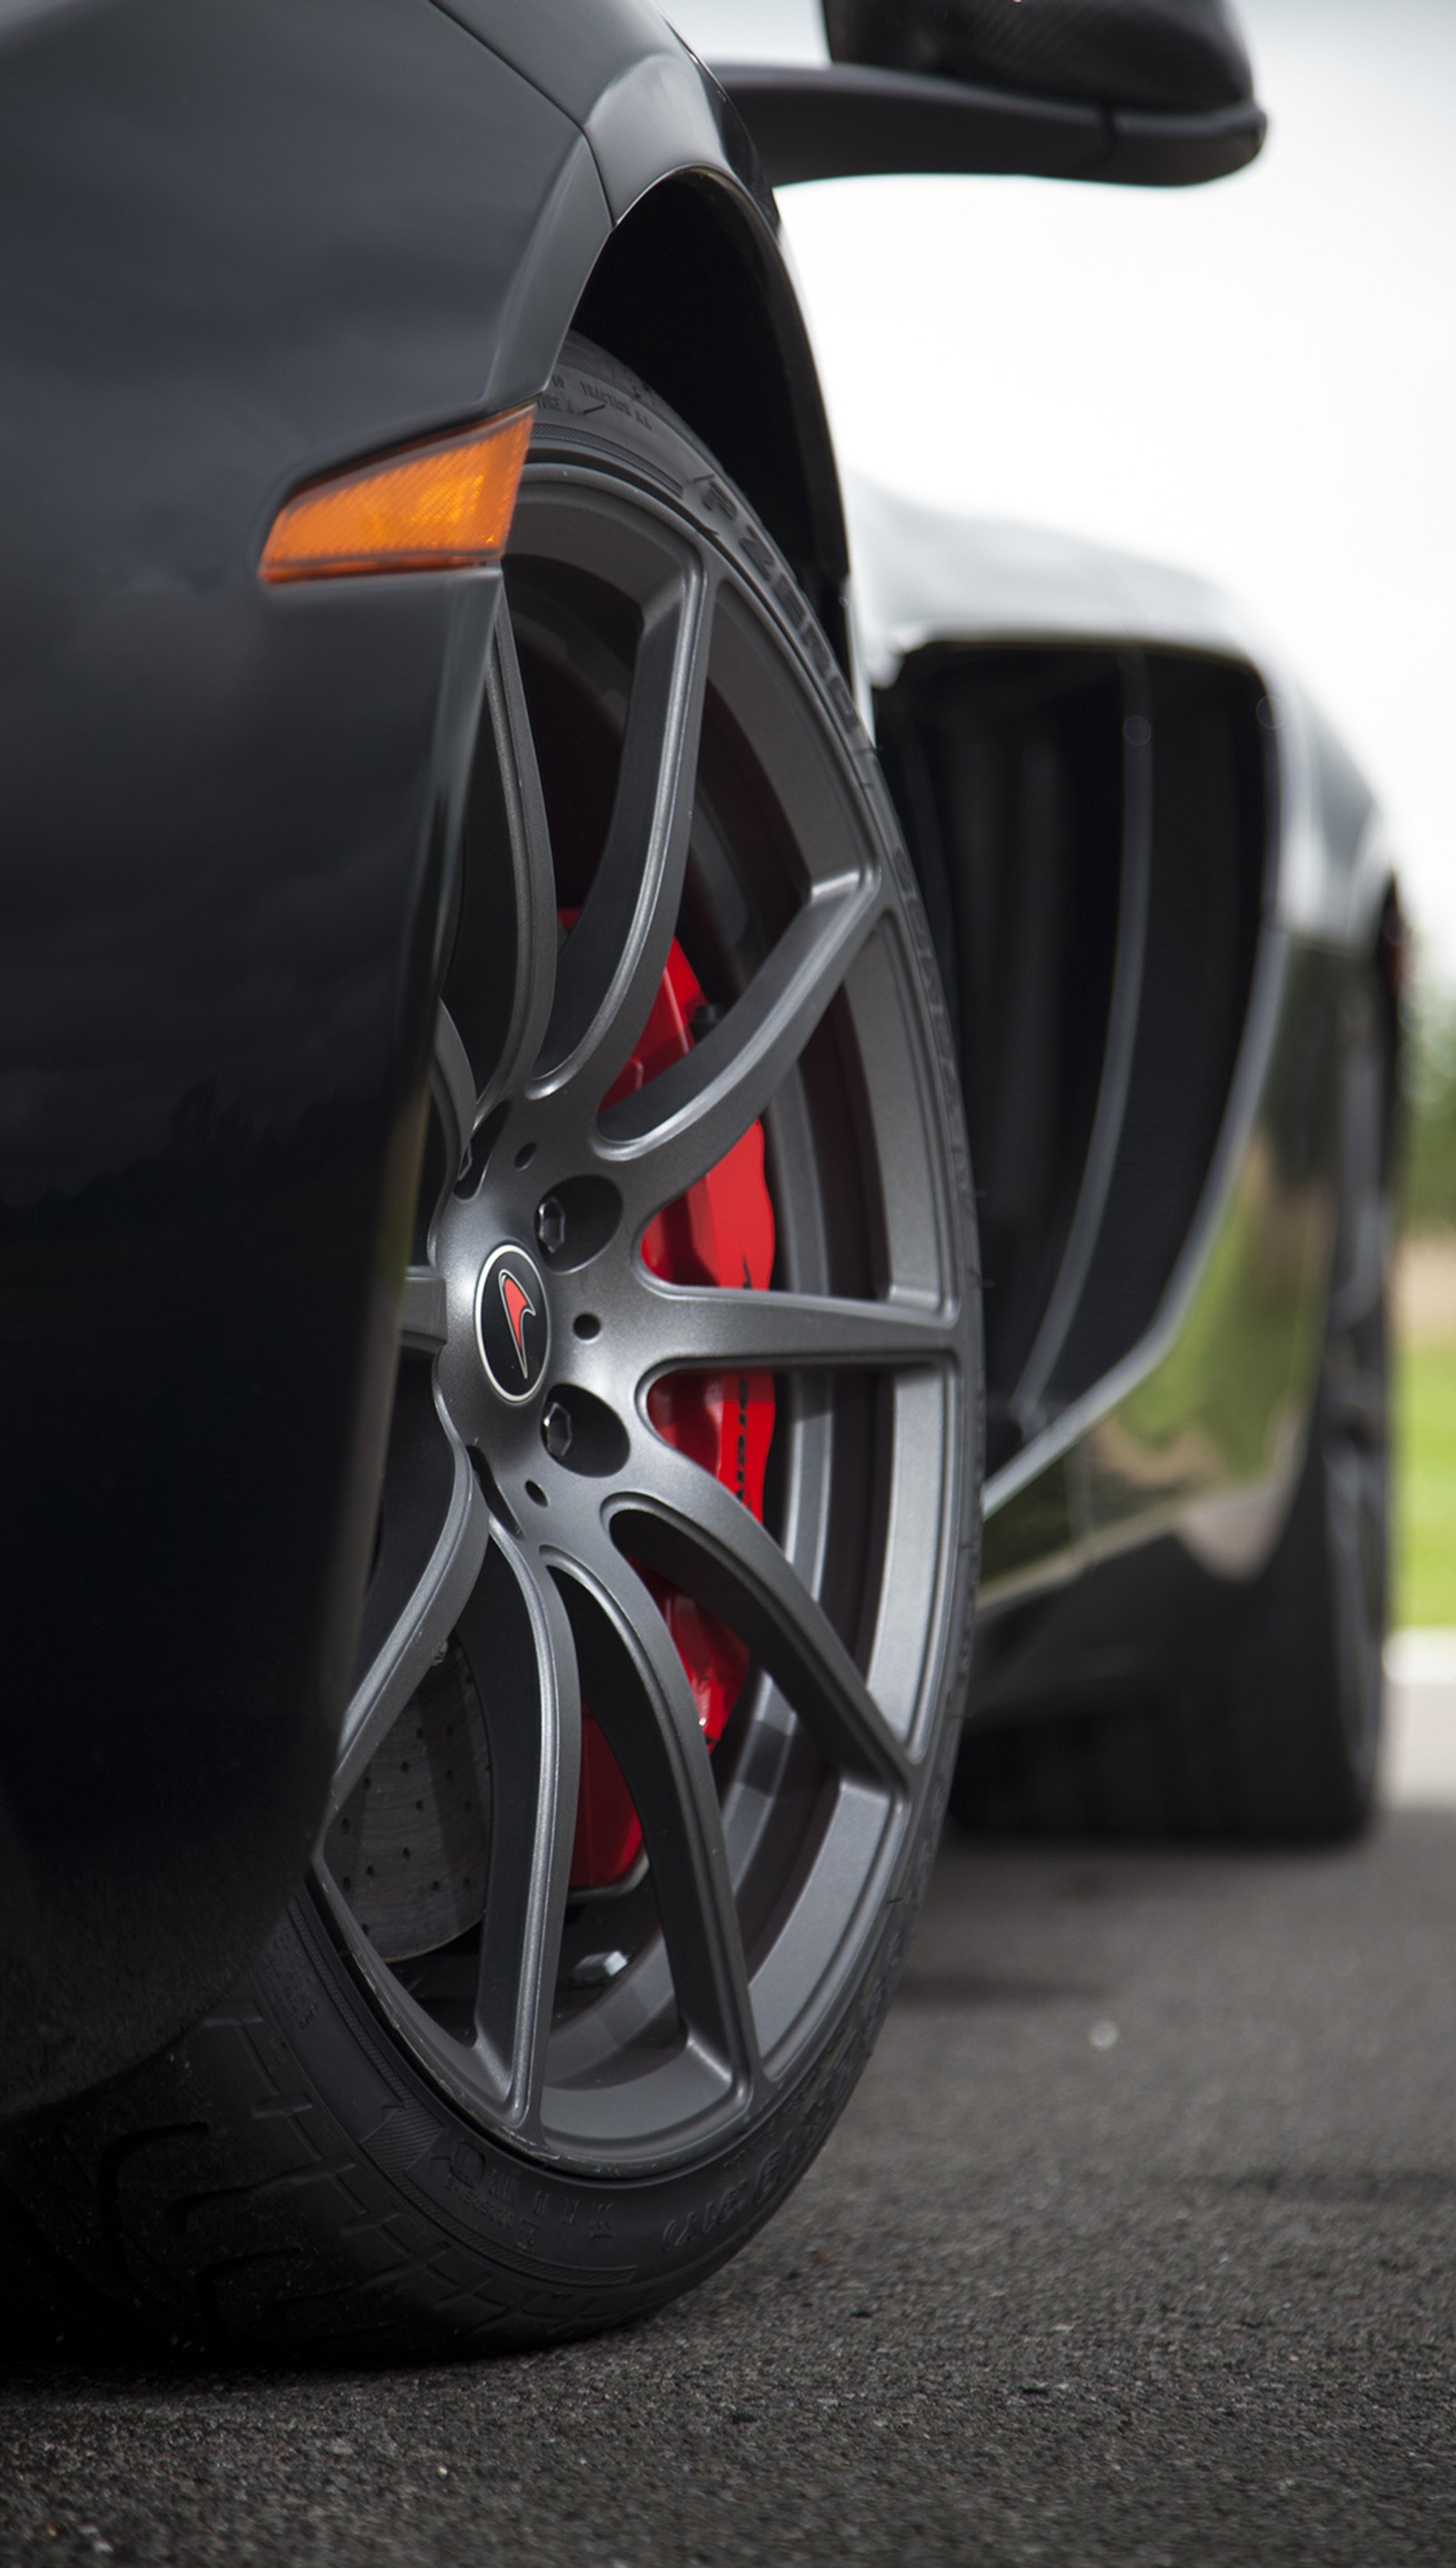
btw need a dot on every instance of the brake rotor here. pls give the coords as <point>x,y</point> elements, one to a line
<point>409,1847</point>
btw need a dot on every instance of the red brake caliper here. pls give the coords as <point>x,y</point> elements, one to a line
<point>720,1232</point>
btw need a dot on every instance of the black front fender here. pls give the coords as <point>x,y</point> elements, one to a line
<point>235,244</point>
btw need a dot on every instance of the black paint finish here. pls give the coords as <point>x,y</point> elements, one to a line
<point>236,244</point>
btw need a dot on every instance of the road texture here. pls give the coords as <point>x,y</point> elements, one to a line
<point>1135,2246</point>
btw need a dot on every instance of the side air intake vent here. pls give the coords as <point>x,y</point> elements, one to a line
<point>1090,830</point>
<point>1209,824</point>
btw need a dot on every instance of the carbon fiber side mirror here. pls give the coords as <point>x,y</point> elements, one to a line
<point>1173,56</point>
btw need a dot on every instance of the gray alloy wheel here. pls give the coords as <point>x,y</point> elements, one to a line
<point>533,1584</point>
<point>562,2102</point>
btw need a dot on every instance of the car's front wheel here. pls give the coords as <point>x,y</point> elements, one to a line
<point>670,1609</point>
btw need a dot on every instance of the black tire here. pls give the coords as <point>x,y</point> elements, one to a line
<point>1275,1734</point>
<point>510,2136</point>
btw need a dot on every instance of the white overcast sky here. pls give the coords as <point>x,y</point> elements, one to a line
<point>1255,380</point>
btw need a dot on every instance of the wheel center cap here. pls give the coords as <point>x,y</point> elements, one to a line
<point>512,1324</point>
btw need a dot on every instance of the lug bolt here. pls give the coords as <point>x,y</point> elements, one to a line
<point>551,1225</point>
<point>556,1430</point>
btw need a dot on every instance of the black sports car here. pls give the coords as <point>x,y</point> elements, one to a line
<point>504,950</point>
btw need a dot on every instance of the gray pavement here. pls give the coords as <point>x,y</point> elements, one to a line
<point>1135,2246</point>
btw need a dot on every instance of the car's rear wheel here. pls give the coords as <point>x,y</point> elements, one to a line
<point>670,1610</point>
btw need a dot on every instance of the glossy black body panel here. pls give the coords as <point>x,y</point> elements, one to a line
<point>237,246</point>
<point>221,876</point>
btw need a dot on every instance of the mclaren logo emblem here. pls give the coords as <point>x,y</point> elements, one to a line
<point>518,1309</point>
<point>512,1324</point>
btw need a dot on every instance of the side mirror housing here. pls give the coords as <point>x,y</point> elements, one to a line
<point>1132,92</point>
<point>1173,56</point>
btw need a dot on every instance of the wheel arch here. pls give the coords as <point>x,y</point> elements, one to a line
<point>690,291</point>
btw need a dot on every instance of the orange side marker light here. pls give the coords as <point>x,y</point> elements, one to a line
<point>444,506</point>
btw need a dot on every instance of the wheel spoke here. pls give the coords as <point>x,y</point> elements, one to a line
<point>503,966</point>
<point>633,1679</point>
<point>423,1322</point>
<point>786,1332</point>
<point>612,964</point>
<point>517,1643</point>
<point>693,1530</point>
<point>420,1630</point>
<point>533,881</point>
<point>454,1084</point>
<point>687,1118</point>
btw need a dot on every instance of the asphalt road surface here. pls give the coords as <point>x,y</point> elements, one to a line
<point>1135,2246</point>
